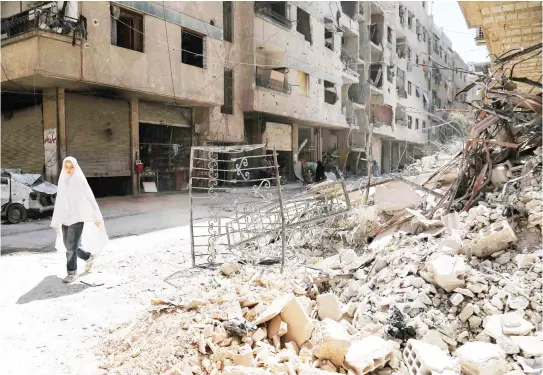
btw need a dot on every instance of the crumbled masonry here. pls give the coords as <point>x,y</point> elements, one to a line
<point>426,285</point>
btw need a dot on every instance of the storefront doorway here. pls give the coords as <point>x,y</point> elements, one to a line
<point>165,154</point>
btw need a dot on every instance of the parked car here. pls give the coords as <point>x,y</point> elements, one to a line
<point>21,193</point>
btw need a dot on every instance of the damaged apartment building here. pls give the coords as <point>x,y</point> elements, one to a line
<point>128,87</point>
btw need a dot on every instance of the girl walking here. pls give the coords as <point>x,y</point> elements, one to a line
<point>77,219</point>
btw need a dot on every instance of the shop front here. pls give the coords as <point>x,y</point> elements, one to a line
<point>164,148</point>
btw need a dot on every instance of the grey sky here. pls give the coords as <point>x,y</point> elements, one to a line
<point>448,15</point>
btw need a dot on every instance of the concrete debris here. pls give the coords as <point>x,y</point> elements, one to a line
<point>424,291</point>
<point>367,355</point>
<point>422,358</point>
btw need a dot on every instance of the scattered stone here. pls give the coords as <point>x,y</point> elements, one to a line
<point>299,325</point>
<point>447,271</point>
<point>228,269</point>
<point>456,299</point>
<point>531,346</point>
<point>333,343</point>
<point>466,313</point>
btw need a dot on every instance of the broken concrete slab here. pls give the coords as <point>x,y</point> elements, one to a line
<point>395,196</point>
<point>531,346</point>
<point>272,310</point>
<point>481,358</point>
<point>299,325</point>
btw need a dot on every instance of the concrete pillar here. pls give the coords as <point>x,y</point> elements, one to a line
<point>61,113</point>
<point>134,142</point>
<point>295,142</point>
<point>319,145</point>
<point>343,147</point>
<point>50,128</point>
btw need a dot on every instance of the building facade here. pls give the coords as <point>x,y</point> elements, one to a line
<point>113,83</point>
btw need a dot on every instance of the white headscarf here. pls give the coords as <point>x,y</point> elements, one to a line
<point>75,203</point>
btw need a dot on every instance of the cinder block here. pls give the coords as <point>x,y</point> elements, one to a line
<point>367,355</point>
<point>425,359</point>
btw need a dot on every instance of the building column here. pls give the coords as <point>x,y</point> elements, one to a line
<point>319,144</point>
<point>62,135</point>
<point>295,142</point>
<point>50,140</point>
<point>134,143</point>
<point>343,147</point>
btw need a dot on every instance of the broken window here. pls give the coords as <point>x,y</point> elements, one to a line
<point>228,107</point>
<point>328,39</point>
<point>228,22</point>
<point>275,79</point>
<point>376,75</point>
<point>303,83</point>
<point>126,29</point>
<point>409,88</point>
<point>417,124</point>
<point>303,24</point>
<point>275,11</point>
<point>349,8</point>
<point>192,49</point>
<point>330,93</point>
<point>409,122</point>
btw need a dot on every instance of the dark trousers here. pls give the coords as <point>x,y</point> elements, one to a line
<point>72,239</point>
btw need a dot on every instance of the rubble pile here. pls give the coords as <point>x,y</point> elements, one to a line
<point>438,273</point>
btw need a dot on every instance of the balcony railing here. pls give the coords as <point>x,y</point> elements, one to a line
<point>272,79</point>
<point>46,19</point>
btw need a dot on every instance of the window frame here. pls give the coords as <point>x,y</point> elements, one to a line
<point>409,122</point>
<point>228,37</point>
<point>184,50</point>
<point>409,88</point>
<point>114,26</point>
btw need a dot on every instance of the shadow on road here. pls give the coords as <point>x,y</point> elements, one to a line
<point>50,287</point>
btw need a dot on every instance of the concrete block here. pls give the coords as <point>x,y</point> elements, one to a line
<point>424,359</point>
<point>333,342</point>
<point>514,324</point>
<point>367,355</point>
<point>456,299</point>
<point>242,370</point>
<point>492,238</point>
<point>481,358</point>
<point>328,306</point>
<point>448,272</point>
<point>259,334</point>
<point>299,325</point>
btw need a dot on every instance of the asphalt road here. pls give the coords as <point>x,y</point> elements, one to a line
<point>124,216</point>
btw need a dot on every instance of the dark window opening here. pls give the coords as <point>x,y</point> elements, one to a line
<point>126,29</point>
<point>375,34</point>
<point>409,122</point>
<point>303,25</point>
<point>228,23</point>
<point>376,75</point>
<point>424,4</point>
<point>417,124</point>
<point>193,49</point>
<point>329,39</point>
<point>417,92</point>
<point>424,124</point>
<point>349,8</point>
<point>330,93</point>
<point>409,90</point>
<point>389,35</point>
<point>390,74</point>
<point>400,83</point>
<point>274,79</point>
<point>228,107</point>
